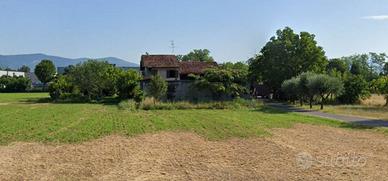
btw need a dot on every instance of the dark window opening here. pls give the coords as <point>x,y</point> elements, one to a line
<point>172,74</point>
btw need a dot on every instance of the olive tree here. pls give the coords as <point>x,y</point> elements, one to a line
<point>310,85</point>
<point>323,86</point>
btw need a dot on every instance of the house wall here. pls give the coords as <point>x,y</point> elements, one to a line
<point>12,73</point>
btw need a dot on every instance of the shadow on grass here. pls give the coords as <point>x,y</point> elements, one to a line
<point>355,126</point>
<point>271,110</point>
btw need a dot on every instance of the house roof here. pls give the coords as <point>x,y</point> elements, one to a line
<point>195,67</point>
<point>159,61</point>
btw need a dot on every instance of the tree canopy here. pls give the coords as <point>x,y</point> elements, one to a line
<point>201,55</point>
<point>310,85</point>
<point>287,55</point>
<point>45,71</point>
<point>228,80</point>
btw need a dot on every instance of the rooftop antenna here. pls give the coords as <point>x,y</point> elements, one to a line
<point>172,46</point>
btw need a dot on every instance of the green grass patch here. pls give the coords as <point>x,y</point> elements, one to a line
<point>23,118</point>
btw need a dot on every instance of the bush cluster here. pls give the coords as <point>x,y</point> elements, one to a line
<point>14,84</point>
<point>94,80</point>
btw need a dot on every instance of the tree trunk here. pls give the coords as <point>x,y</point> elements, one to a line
<point>311,103</point>
<point>386,100</point>
<point>321,105</point>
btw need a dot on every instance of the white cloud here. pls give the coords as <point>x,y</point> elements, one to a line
<point>379,17</point>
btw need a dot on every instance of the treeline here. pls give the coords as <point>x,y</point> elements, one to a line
<point>294,67</point>
<point>14,84</point>
<point>94,80</point>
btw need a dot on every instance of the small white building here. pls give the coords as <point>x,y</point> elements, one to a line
<point>12,73</point>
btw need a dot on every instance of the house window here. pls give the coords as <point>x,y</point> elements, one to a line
<point>172,74</point>
<point>154,72</point>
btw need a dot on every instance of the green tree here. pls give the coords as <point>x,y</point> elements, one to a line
<point>59,86</point>
<point>337,65</point>
<point>324,86</point>
<point>226,80</point>
<point>95,79</point>
<point>368,66</point>
<point>45,71</point>
<point>291,89</point>
<point>287,55</point>
<point>385,69</point>
<point>157,87</point>
<point>24,68</point>
<point>201,55</point>
<point>309,85</point>
<point>355,88</point>
<point>381,86</point>
<point>128,85</point>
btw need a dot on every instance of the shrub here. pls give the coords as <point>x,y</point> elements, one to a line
<point>130,105</point>
<point>157,87</point>
<point>59,87</point>
<point>128,85</point>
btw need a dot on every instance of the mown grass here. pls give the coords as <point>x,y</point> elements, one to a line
<point>24,118</point>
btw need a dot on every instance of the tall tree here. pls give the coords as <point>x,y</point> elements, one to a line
<point>287,55</point>
<point>337,64</point>
<point>45,71</point>
<point>201,55</point>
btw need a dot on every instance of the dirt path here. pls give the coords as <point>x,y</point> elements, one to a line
<point>302,152</point>
<point>350,119</point>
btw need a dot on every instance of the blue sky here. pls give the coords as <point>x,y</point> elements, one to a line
<point>232,30</point>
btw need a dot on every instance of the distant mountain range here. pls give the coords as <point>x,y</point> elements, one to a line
<point>16,61</point>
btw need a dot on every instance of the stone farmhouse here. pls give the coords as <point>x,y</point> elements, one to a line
<point>176,74</point>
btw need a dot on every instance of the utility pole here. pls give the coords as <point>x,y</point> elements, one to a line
<point>172,46</point>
